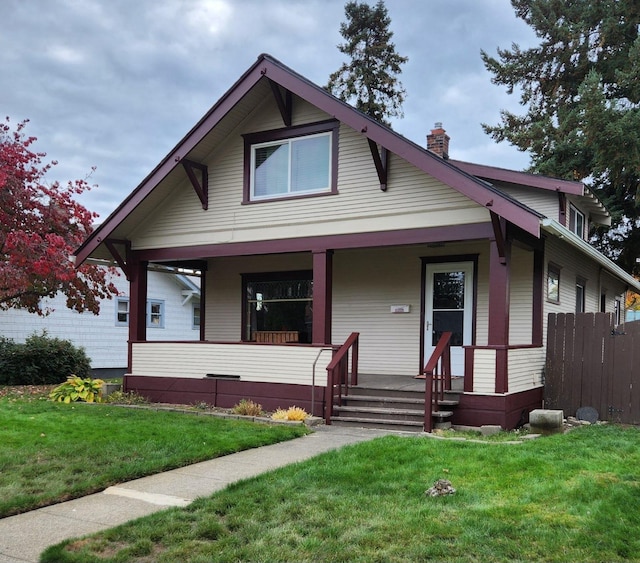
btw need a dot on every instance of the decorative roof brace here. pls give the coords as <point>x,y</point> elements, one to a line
<point>201,187</point>
<point>381,160</point>
<point>284,105</point>
<point>500,235</point>
<point>124,266</point>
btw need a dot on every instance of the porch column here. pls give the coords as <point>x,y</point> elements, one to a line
<point>322,296</point>
<point>137,299</point>
<point>499,278</point>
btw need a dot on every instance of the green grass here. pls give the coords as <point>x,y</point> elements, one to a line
<point>571,497</point>
<point>50,452</point>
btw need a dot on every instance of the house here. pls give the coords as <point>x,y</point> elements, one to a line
<point>173,313</point>
<point>311,223</point>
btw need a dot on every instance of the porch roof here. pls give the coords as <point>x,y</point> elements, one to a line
<point>242,97</point>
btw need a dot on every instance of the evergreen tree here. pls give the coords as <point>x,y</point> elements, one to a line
<point>371,76</point>
<point>581,90</point>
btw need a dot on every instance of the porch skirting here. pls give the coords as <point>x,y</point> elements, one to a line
<point>507,411</point>
<point>226,392</point>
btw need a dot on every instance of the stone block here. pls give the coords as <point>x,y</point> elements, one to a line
<point>490,429</point>
<point>546,421</point>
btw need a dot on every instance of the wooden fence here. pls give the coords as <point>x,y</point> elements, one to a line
<point>593,363</point>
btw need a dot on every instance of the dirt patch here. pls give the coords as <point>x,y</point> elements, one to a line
<point>25,391</point>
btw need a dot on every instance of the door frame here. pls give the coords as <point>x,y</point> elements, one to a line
<point>426,260</point>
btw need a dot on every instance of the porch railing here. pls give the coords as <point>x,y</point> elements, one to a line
<point>338,372</point>
<point>438,378</point>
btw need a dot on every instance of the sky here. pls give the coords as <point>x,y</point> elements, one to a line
<point>116,84</point>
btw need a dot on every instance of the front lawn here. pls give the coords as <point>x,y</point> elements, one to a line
<point>571,497</point>
<point>50,452</point>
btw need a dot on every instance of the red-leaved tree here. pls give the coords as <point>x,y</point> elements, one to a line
<point>41,225</point>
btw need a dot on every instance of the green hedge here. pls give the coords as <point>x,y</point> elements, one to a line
<point>41,360</point>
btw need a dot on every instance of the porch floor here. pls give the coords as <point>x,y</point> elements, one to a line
<point>400,382</point>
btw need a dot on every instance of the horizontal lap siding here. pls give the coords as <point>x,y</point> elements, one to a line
<point>543,201</point>
<point>521,296</point>
<point>268,363</point>
<point>484,371</point>
<point>412,200</point>
<point>525,368</point>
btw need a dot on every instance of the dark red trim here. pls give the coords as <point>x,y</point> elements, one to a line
<point>225,393</point>
<point>506,411</point>
<point>502,370</point>
<point>285,105</point>
<point>469,364</point>
<point>450,233</point>
<point>521,178</point>
<point>437,167</point>
<point>322,296</point>
<point>330,126</point>
<point>562,209</point>
<point>137,300</point>
<point>381,162</point>
<point>110,244</point>
<point>201,186</point>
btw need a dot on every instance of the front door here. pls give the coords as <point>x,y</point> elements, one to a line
<point>448,307</point>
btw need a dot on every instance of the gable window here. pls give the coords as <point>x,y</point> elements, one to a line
<point>553,283</point>
<point>580,295</point>
<point>576,221</point>
<point>293,162</point>
<point>155,314</point>
<point>122,311</point>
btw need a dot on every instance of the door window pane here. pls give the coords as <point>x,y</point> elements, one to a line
<point>448,290</point>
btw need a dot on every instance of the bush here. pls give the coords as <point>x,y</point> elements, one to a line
<point>126,398</point>
<point>41,360</point>
<point>248,408</point>
<point>78,389</point>
<point>292,413</point>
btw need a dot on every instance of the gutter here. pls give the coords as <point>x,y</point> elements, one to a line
<point>556,229</point>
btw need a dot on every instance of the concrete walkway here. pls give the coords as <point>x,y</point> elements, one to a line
<point>25,536</point>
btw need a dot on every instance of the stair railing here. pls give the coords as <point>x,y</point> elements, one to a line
<point>438,378</point>
<point>338,373</point>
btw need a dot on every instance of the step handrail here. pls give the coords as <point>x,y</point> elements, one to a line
<point>438,378</point>
<point>337,372</point>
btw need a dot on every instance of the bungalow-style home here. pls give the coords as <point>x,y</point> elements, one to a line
<point>317,229</point>
<point>172,313</point>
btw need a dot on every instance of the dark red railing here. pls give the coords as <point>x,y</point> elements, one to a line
<point>338,373</point>
<point>438,378</point>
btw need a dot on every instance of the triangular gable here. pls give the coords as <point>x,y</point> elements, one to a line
<point>266,66</point>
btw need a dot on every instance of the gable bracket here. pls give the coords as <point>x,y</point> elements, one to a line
<point>201,186</point>
<point>285,105</point>
<point>381,160</point>
<point>499,233</point>
<point>111,246</point>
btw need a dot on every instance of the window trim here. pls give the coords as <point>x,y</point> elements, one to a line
<point>251,139</point>
<point>552,267</point>
<point>150,303</point>
<point>582,284</point>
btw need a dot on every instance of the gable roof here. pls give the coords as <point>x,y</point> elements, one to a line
<point>266,67</point>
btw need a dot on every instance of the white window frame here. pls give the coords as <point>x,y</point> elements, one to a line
<point>577,221</point>
<point>160,315</point>
<point>124,300</point>
<point>290,142</point>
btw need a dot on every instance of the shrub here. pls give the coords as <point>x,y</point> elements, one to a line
<point>78,389</point>
<point>292,413</point>
<point>248,408</point>
<point>41,360</point>
<point>126,398</point>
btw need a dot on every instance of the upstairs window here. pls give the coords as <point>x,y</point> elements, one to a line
<point>292,162</point>
<point>576,221</point>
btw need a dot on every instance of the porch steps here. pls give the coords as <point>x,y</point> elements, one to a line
<point>394,409</point>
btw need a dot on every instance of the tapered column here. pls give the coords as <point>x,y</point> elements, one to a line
<point>322,296</point>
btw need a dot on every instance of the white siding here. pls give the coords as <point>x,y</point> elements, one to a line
<point>543,201</point>
<point>104,341</point>
<point>484,371</point>
<point>525,368</point>
<point>521,296</point>
<point>412,199</point>
<point>300,365</point>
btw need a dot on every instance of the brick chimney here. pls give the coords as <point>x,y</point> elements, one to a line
<point>438,141</point>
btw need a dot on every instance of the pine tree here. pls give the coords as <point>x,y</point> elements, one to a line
<point>371,76</point>
<point>581,90</point>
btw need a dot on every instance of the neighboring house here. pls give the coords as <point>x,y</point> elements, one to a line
<point>173,313</point>
<point>310,221</point>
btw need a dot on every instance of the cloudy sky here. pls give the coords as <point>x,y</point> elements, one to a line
<point>116,84</point>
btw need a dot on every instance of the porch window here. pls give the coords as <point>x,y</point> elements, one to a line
<point>580,295</point>
<point>553,283</point>
<point>291,162</point>
<point>278,307</point>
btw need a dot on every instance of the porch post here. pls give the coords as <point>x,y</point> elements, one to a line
<point>137,301</point>
<point>322,296</point>
<point>499,278</point>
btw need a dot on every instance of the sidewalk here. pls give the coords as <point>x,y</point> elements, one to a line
<point>25,536</point>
